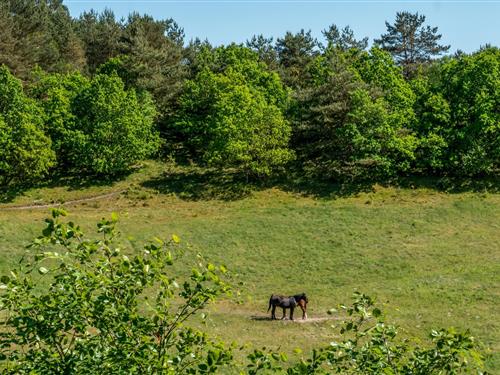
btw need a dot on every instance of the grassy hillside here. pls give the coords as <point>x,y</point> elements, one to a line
<point>431,258</point>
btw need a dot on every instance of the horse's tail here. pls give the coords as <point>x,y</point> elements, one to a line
<point>270,303</point>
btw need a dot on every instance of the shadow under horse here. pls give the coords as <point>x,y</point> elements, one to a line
<point>288,303</point>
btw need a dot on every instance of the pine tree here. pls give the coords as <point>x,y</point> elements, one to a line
<point>265,49</point>
<point>38,33</point>
<point>101,35</point>
<point>295,52</point>
<point>410,42</point>
<point>343,39</point>
<point>8,50</point>
<point>152,53</point>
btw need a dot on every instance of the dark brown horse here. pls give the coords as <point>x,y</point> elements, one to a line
<point>288,303</point>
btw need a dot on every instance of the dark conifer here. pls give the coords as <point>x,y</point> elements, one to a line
<point>295,52</point>
<point>410,42</point>
<point>343,39</point>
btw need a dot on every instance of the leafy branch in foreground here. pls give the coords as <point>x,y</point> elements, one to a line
<point>368,345</point>
<point>77,305</point>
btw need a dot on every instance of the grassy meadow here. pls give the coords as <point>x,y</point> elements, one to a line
<point>430,257</point>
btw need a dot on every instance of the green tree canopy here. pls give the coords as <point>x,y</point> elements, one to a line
<point>115,127</point>
<point>25,151</point>
<point>38,33</point>
<point>377,69</point>
<point>471,86</point>
<point>265,49</point>
<point>432,125</point>
<point>97,125</point>
<point>101,35</point>
<point>152,53</point>
<point>295,52</point>
<point>349,123</point>
<point>56,94</point>
<point>232,116</point>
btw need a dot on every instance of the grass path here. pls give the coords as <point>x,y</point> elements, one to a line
<point>66,203</point>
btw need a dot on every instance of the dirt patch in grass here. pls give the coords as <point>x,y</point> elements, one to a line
<point>262,318</point>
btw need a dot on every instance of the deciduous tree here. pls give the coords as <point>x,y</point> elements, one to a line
<point>471,86</point>
<point>25,151</point>
<point>232,117</point>
<point>97,125</point>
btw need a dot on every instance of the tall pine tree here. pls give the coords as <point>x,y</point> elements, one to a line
<point>38,33</point>
<point>343,39</point>
<point>410,42</point>
<point>295,52</point>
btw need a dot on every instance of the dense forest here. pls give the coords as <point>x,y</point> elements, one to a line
<point>96,94</point>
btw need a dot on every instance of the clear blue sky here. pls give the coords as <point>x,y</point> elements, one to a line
<point>464,24</point>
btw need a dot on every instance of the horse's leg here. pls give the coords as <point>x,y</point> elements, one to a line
<point>273,313</point>
<point>304,308</point>
<point>291,312</point>
<point>284,313</point>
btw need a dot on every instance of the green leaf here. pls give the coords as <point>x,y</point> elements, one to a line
<point>158,240</point>
<point>203,367</point>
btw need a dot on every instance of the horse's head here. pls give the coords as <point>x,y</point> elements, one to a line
<point>301,297</point>
<point>302,301</point>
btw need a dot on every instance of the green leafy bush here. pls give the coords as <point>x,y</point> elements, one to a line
<point>96,125</point>
<point>78,305</point>
<point>368,345</point>
<point>232,116</point>
<point>25,151</point>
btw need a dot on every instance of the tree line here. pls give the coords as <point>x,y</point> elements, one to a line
<point>96,94</point>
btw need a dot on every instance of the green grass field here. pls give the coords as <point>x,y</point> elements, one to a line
<point>432,259</point>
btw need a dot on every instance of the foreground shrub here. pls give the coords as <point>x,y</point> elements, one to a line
<point>368,345</point>
<point>100,311</point>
